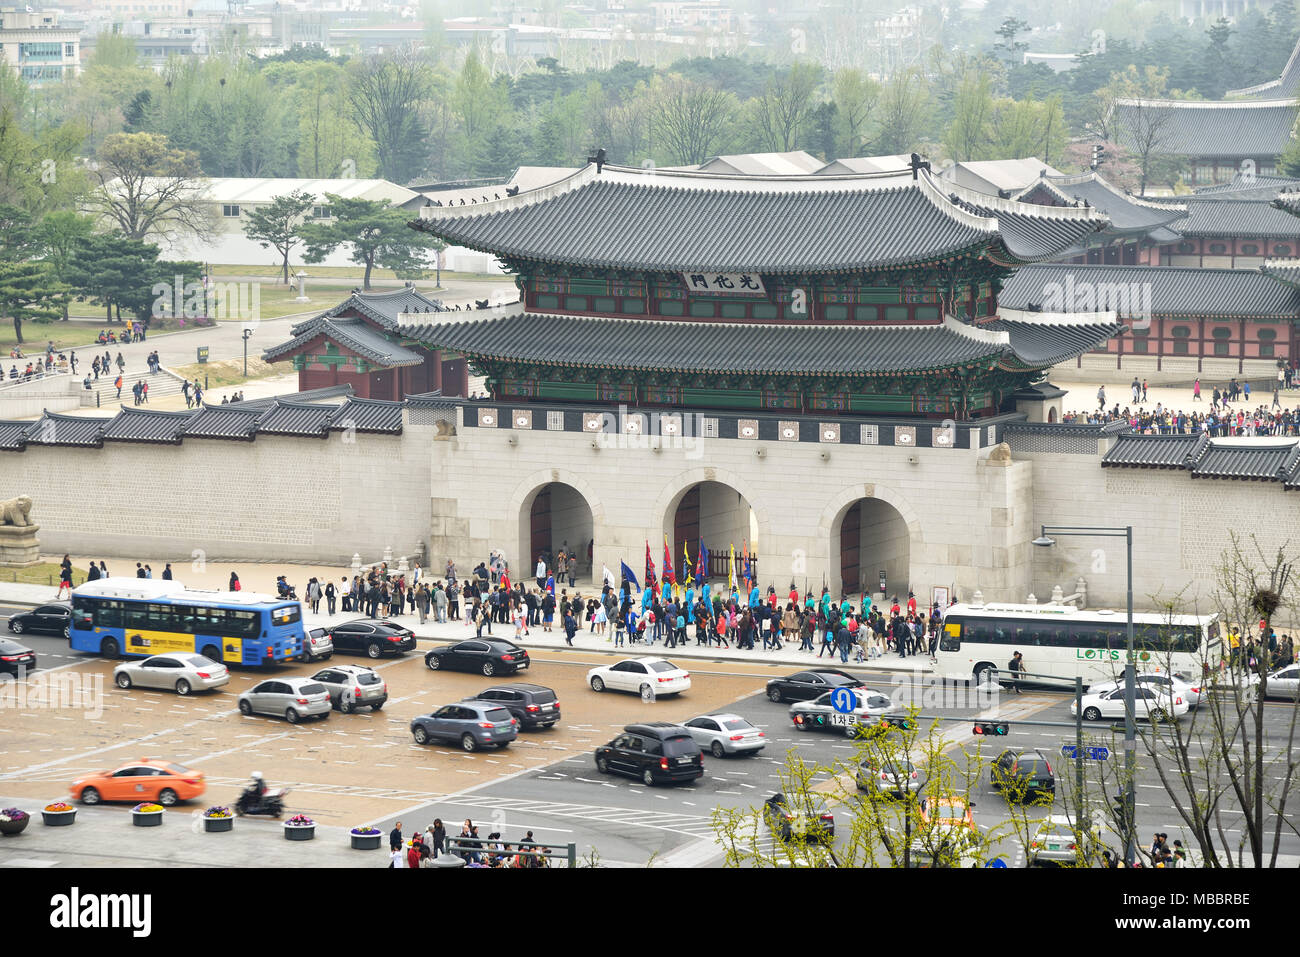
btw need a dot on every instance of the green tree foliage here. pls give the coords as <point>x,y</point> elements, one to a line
<point>376,235</point>
<point>386,97</point>
<point>277,225</point>
<point>29,291</point>
<point>147,188</point>
<point>56,238</point>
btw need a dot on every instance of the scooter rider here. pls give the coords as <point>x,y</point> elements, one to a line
<point>256,790</point>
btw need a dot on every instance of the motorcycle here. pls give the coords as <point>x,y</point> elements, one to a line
<point>272,802</point>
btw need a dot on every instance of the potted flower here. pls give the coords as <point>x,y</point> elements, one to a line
<point>14,821</point>
<point>218,818</point>
<point>147,815</point>
<point>299,828</point>
<point>366,838</point>
<point>58,814</point>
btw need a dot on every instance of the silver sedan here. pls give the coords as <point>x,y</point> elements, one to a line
<point>725,734</point>
<point>176,671</point>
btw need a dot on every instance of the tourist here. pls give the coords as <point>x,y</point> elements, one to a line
<point>65,577</point>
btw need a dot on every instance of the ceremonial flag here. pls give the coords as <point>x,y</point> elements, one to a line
<point>669,574</point>
<point>686,564</point>
<point>649,568</point>
<point>744,550</point>
<point>628,574</point>
<point>702,563</point>
<point>608,576</point>
<point>731,566</point>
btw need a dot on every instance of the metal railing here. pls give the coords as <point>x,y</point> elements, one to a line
<point>21,379</point>
<point>460,846</point>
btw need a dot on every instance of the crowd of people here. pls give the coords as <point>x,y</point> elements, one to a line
<point>422,848</point>
<point>1229,412</point>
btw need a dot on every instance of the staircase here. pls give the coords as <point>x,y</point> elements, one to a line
<point>161,384</point>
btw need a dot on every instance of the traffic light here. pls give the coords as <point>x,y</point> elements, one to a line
<point>998,728</point>
<point>887,722</point>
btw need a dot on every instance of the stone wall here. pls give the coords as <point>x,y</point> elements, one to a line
<point>275,498</point>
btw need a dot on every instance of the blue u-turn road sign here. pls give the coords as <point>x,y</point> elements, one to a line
<point>1089,753</point>
<point>843,700</point>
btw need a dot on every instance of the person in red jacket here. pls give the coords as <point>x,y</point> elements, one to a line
<point>413,852</point>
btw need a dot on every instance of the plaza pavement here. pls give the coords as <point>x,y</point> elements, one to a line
<point>433,633</point>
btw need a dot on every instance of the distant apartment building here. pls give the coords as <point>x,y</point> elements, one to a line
<point>36,45</point>
<point>692,15</point>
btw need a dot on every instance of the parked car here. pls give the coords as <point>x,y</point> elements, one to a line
<point>487,656</point>
<point>1147,704</point>
<point>162,782</point>
<point>51,619</point>
<point>317,645</point>
<point>295,698</point>
<point>1023,774</point>
<point>820,714</point>
<point>533,706</point>
<point>177,671</point>
<point>1165,683</point>
<point>723,734</point>
<point>368,689</point>
<point>657,752</point>
<point>811,821</point>
<point>14,656</point>
<point>896,776</point>
<point>373,637</point>
<point>647,676</point>
<point>475,724</point>
<point>805,685</point>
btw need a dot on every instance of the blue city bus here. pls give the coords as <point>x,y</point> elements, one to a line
<point>137,617</point>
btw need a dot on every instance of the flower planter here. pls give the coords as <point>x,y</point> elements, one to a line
<point>58,818</point>
<point>366,842</point>
<point>10,828</point>
<point>147,818</point>
<point>216,825</point>
<point>303,832</point>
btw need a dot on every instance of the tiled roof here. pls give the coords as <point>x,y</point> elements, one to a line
<point>1266,462</point>
<point>354,335</point>
<point>1248,186</point>
<point>1286,84</point>
<point>687,222</point>
<point>368,415</point>
<point>384,307</point>
<point>705,347</point>
<point>13,436</point>
<point>1155,451</point>
<point>147,425</point>
<point>232,421</point>
<point>1164,290</point>
<point>1231,217</point>
<point>290,417</point>
<point>1126,213</point>
<point>311,395</point>
<point>54,429</point>
<point>1208,128</point>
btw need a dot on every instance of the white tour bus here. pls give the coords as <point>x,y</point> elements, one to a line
<point>1063,642</point>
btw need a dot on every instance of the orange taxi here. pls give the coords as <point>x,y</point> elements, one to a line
<point>948,813</point>
<point>162,782</point>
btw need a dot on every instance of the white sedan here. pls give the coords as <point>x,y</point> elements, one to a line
<point>725,734</point>
<point>649,677</point>
<point>1164,683</point>
<point>1282,683</point>
<point>178,671</point>
<point>1146,703</point>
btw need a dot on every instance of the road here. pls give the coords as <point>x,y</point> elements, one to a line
<point>364,767</point>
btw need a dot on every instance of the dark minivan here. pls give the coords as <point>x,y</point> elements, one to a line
<point>656,752</point>
<point>533,706</point>
<point>1023,775</point>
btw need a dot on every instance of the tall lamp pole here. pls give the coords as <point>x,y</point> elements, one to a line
<point>247,334</point>
<point>1130,672</point>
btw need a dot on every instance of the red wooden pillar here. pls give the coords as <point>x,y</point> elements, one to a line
<point>433,362</point>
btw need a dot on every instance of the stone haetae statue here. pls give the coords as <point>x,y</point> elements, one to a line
<point>17,512</point>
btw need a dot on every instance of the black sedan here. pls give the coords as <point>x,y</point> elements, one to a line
<point>805,685</point>
<point>488,656</point>
<point>53,619</point>
<point>14,656</point>
<point>372,637</point>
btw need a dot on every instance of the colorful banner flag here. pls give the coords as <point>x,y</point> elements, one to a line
<point>731,566</point>
<point>745,574</point>
<point>702,563</point>
<point>608,576</point>
<point>629,575</point>
<point>649,568</point>
<point>670,576</point>
<point>687,575</point>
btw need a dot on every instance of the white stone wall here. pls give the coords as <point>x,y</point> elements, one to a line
<point>277,498</point>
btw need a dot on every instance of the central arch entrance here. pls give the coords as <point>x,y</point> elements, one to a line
<point>720,517</point>
<point>871,538</point>
<point>556,516</point>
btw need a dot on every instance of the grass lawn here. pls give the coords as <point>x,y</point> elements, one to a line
<point>46,573</point>
<point>275,300</point>
<point>228,371</point>
<point>72,334</point>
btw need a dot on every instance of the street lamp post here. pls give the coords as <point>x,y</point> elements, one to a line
<point>247,334</point>
<point>1130,671</point>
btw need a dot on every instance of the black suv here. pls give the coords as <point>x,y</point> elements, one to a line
<point>655,752</point>
<point>373,637</point>
<point>1022,774</point>
<point>531,705</point>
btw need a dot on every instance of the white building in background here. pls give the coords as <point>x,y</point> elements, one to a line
<point>36,45</point>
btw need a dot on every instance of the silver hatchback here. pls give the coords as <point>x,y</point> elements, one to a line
<point>353,686</point>
<point>316,645</point>
<point>295,698</point>
<point>175,671</point>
